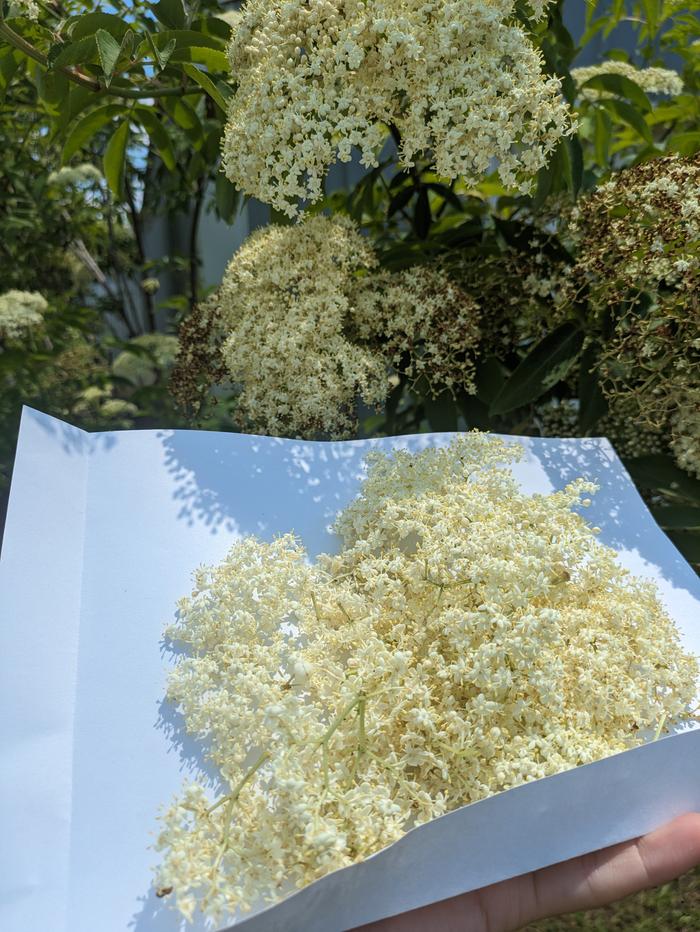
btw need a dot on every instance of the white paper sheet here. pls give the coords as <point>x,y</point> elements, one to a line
<point>103,533</point>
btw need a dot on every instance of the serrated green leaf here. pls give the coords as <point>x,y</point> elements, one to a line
<point>108,50</point>
<point>170,12</point>
<point>166,52</point>
<point>87,126</point>
<point>82,52</point>
<point>205,82</point>
<point>184,38</point>
<point>89,23</point>
<point>214,59</point>
<point>627,114</point>
<point>622,87</point>
<point>546,364</point>
<point>114,161</point>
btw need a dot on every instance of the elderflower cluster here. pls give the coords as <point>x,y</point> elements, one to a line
<point>27,8</point>
<point>622,425</point>
<point>283,307</point>
<point>85,173</point>
<point>638,257</point>
<point>640,232</point>
<point>305,324</point>
<point>651,80</point>
<point>425,324</point>
<point>465,639</point>
<point>20,313</point>
<point>460,80</point>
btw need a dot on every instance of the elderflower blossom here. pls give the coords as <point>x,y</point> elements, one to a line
<point>465,639</point>
<point>283,306</point>
<point>424,322</point>
<point>638,256</point>
<point>651,80</point>
<point>27,8</point>
<point>21,312</point>
<point>85,173</point>
<point>151,352</point>
<point>305,324</point>
<point>460,80</point>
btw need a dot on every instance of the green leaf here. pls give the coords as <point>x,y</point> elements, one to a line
<point>184,38</point>
<point>227,198</point>
<point>441,412</point>
<point>115,159</point>
<point>677,516</point>
<point>214,59</point>
<point>660,472</point>
<point>204,81</point>
<point>88,24</point>
<point>166,52</point>
<point>422,217</point>
<point>592,402</point>
<point>574,164</point>
<point>620,86</point>
<point>546,364</point>
<point>108,49</point>
<point>400,200</point>
<point>82,52</point>
<point>155,51</point>
<point>603,135</point>
<point>688,542</point>
<point>684,143</point>
<point>627,114</point>
<point>157,134</point>
<point>9,63</point>
<point>170,12</point>
<point>87,126</point>
<point>490,377</point>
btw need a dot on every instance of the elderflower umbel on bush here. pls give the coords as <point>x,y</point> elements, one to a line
<point>651,80</point>
<point>21,312</point>
<point>459,79</point>
<point>282,309</point>
<point>639,248</point>
<point>466,638</point>
<point>305,324</point>
<point>422,322</point>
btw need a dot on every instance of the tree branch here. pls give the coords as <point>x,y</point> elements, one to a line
<point>77,77</point>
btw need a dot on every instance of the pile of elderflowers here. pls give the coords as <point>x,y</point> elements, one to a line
<point>460,80</point>
<point>465,638</point>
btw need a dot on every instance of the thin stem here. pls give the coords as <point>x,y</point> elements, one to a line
<point>231,797</point>
<point>660,728</point>
<point>138,236</point>
<point>194,258</point>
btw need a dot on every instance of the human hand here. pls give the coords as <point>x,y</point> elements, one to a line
<point>582,883</point>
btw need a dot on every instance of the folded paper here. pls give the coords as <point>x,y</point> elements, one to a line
<point>103,533</point>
